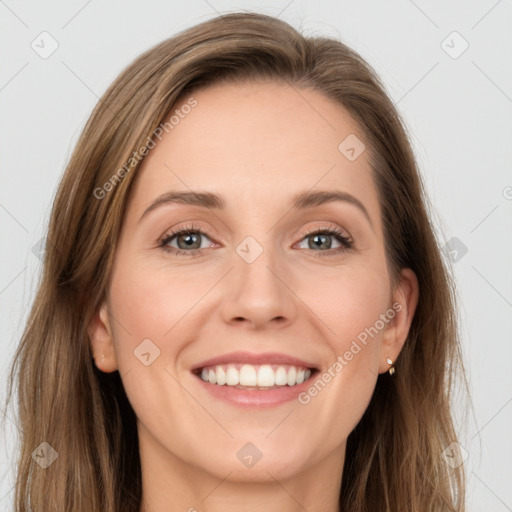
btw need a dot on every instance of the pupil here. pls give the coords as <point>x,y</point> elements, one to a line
<point>321,238</point>
<point>188,237</point>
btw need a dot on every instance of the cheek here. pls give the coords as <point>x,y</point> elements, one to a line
<point>149,322</point>
<point>155,315</point>
<point>350,304</point>
<point>149,305</point>
<point>354,309</point>
<point>354,306</point>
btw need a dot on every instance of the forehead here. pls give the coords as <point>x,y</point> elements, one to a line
<point>254,142</point>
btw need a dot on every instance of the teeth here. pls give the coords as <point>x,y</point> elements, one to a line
<point>264,376</point>
<point>248,376</point>
<point>232,377</point>
<point>221,376</point>
<point>280,376</point>
<point>291,378</point>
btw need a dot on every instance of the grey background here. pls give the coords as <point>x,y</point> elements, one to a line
<point>457,109</point>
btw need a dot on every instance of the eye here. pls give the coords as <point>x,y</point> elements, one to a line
<point>189,238</point>
<point>322,238</point>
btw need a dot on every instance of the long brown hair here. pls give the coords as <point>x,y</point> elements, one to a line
<point>394,455</point>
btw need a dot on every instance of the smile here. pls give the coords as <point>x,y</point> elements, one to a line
<point>255,381</point>
<point>255,377</point>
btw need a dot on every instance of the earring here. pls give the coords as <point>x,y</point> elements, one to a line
<point>391,369</point>
<point>102,358</point>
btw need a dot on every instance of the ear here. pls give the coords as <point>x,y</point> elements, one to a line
<point>405,300</point>
<point>102,343</point>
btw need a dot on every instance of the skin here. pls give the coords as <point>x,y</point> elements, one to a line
<point>257,145</point>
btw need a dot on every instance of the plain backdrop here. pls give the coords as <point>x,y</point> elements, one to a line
<point>448,68</point>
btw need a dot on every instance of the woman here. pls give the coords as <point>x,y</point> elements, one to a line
<point>197,341</point>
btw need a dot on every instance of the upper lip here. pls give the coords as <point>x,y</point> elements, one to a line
<point>252,358</point>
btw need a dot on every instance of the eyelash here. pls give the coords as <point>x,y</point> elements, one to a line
<point>346,242</point>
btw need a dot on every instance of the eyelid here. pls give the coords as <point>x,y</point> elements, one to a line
<point>327,227</point>
<point>180,229</point>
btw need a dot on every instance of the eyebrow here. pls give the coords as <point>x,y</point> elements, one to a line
<point>301,201</point>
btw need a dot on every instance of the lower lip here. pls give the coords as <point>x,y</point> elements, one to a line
<point>256,399</point>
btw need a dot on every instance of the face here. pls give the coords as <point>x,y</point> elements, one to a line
<point>264,286</point>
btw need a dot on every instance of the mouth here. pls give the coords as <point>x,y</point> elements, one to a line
<point>256,381</point>
<point>253,377</point>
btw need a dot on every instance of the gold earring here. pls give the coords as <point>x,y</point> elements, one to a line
<point>391,369</point>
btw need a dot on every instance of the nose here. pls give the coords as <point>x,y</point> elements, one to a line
<point>259,293</point>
